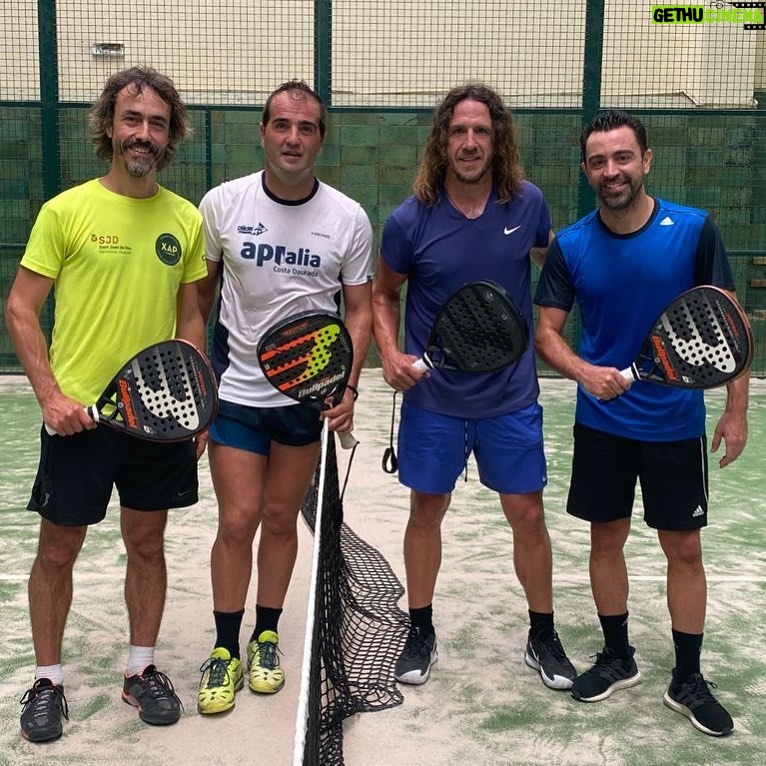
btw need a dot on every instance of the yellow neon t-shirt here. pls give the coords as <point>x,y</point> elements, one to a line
<point>117,263</point>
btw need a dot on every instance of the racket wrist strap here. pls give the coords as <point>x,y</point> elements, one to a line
<point>354,390</point>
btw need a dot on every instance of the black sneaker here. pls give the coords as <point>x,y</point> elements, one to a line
<point>414,663</point>
<point>694,699</point>
<point>154,696</point>
<point>547,655</point>
<point>609,674</point>
<point>44,706</point>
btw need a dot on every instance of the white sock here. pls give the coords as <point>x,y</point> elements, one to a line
<point>54,673</point>
<point>139,658</point>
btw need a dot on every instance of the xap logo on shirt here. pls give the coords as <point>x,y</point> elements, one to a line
<point>168,249</point>
<point>279,255</point>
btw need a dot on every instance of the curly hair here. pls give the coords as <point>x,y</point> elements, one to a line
<point>137,78</point>
<point>300,90</point>
<point>507,171</point>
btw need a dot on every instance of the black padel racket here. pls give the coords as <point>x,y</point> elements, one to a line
<point>479,329</point>
<point>701,340</point>
<point>309,358</point>
<point>165,393</point>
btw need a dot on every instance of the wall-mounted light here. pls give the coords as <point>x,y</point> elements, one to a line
<point>108,49</point>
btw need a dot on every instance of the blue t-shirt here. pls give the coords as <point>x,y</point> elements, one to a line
<point>440,250</point>
<point>622,283</point>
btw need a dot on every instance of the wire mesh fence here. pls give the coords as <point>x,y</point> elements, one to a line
<point>381,67</point>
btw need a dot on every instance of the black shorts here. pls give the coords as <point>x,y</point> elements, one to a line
<point>673,477</point>
<point>77,473</point>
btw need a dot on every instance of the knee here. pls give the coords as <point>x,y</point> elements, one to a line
<point>683,550</point>
<point>428,511</point>
<point>237,529</point>
<point>280,521</point>
<point>148,546</point>
<point>58,553</point>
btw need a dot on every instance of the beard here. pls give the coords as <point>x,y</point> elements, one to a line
<point>142,165</point>
<point>623,199</point>
<point>472,178</point>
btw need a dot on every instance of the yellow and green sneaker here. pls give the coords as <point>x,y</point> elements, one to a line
<point>222,676</point>
<point>266,676</point>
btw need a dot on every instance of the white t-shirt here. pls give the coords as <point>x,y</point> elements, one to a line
<point>279,259</point>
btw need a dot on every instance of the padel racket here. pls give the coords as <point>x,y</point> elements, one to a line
<point>479,329</point>
<point>165,393</point>
<point>701,340</point>
<point>309,358</point>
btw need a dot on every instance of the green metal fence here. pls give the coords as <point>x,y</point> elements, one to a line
<point>381,67</point>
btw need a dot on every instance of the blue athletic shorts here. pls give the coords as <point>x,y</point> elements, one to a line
<point>673,478</point>
<point>254,428</point>
<point>434,449</point>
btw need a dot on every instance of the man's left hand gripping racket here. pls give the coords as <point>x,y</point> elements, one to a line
<point>309,359</point>
<point>165,393</point>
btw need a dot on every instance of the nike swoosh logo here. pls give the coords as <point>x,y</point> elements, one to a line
<point>510,231</point>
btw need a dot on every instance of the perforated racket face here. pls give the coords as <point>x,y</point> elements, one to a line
<point>701,340</point>
<point>307,357</point>
<point>167,392</point>
<point>479,329</point>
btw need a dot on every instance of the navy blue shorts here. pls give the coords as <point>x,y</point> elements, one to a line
<point>433,450</point>
<point>77,473</point>
<point>254,428</point>
<point>673,478</point>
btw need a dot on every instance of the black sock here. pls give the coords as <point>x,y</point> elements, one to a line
<point>615,629</point>
<point>227,625</point>
<point>540,624</point>
<point>266,618</point>
<point>688,649</point>
<point>423,618</point>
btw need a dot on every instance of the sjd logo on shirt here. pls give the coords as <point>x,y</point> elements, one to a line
<point>168,249</point>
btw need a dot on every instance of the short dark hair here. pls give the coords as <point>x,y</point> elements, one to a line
<point>300,90</point>
<point>138,78</point>
<point>611,120</point>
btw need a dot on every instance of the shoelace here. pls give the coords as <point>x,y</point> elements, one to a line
<point>416,645</point>
<point>267,655</point>
<point>553,644</point>
<point>697,690</point>
<point>43,698</point>
<point>219,671</point>
<point>156,684</point>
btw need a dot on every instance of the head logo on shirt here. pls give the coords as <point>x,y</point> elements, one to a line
<point>168,249</point>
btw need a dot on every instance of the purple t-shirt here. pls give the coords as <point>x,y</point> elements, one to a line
<point>440,250</point>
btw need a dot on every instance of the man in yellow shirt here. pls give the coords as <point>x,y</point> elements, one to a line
<point>123,256</point>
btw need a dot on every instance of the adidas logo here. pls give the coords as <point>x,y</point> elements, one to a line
<point>698,512</point>
<point>667,221</point>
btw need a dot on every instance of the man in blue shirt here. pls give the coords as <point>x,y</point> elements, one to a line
<point>472,217</point>
<point>623,264</point>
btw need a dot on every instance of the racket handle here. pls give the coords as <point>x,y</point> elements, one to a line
<point>629,373</point>
<point>92,412</point>
<point>348,440</point>
<point>421,365</point>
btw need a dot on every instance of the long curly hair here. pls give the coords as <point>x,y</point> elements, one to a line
<point>102,112</point>
<point>507,171</point>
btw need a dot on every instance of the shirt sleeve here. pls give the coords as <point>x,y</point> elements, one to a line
<point>711,262</point>
<point>46,248</point>
<point>208,208</point>
<point>357,265</point>
<point>555,288</point>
